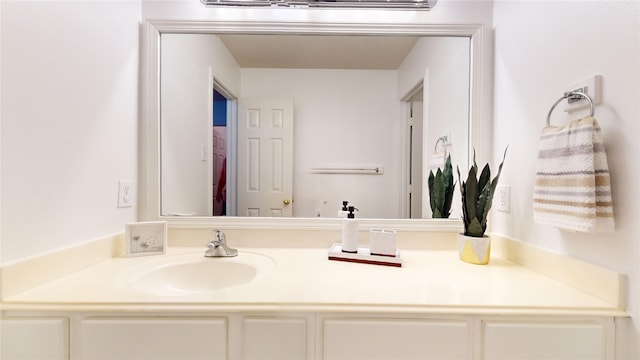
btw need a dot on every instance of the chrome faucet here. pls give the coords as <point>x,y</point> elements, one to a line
<point>218,246</point>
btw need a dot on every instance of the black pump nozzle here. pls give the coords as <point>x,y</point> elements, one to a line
<point>351,215</point>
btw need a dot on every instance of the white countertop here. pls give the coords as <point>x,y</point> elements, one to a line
<point>303,279</point>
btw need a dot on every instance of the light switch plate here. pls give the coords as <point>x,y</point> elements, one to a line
<point>126,194</point>
<point>145,238</point>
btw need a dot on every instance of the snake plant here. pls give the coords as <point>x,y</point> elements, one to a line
<point>441,188</point>
<point>477,196</point>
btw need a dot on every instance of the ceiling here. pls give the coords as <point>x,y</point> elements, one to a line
<point>319,51</point>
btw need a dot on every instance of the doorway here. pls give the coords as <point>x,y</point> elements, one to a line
<point>222,195</point>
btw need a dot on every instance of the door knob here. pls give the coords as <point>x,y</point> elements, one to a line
<point>286,201</point>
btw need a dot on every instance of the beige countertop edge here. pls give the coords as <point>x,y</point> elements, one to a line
<point>315,308</point>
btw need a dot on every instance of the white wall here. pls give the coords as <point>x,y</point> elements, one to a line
<point>542,47</point>
<point>69,121</point>
<point>188,63</point>
<point>342,118</point>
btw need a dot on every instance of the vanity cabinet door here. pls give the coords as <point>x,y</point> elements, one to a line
<point>548,340</point>
<point>139,338</point>
<point>276,338</point>
<point>34,338</point>
<point>397,339</point>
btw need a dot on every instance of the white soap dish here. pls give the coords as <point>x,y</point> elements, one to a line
<point>364,256</point>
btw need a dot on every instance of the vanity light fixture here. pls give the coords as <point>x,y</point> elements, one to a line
<point>380,4</point>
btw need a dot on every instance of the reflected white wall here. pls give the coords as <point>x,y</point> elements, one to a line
<point>443,64</point>
<point>342,118</point>
<point>189,62</point>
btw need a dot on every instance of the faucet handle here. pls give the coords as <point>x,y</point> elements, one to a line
<point>220,238</point>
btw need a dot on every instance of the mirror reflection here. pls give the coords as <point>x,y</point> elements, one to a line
<point>293,125</point>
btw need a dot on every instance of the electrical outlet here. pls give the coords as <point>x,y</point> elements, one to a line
<point>125,194</point>
<point>503,198</point>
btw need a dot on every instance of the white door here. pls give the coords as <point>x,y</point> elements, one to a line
<point>265,157</point>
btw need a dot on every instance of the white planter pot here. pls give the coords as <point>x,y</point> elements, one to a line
<point>474,250</point>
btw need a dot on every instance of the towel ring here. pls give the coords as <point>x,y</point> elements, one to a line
<point>444,141</point>
<point>571,95</point>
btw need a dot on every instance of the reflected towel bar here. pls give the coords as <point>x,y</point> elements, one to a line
<point>364,170</point>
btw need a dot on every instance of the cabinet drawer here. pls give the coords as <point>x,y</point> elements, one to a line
<point>34,338</point>
<point>276,338</point>
<point>152,338</point>
<point>544,340</point>
<point>396,339</point>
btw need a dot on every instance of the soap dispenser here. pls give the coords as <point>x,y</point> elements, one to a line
<point>342,213</point>
<point>350,232</point>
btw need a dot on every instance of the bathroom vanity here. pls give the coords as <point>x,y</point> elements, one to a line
<point>281,298</point>
<point>306,335</point>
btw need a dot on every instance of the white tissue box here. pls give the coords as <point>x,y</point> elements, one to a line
<point>382,242</point>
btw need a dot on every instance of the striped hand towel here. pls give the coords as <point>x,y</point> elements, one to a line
<point>572,189</point>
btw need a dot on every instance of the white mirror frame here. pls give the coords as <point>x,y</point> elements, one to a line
<point>149,177</point>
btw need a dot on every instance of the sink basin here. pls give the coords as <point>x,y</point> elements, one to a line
<point>193,273</point>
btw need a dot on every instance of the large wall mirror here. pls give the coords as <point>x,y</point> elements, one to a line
<point>288,120</point>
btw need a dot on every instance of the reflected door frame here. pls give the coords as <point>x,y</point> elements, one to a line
<point>415,193</point>
<point>231,146</point>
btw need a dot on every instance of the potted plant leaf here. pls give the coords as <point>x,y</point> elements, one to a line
<point>477,195</point>
<point>441,188</point>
